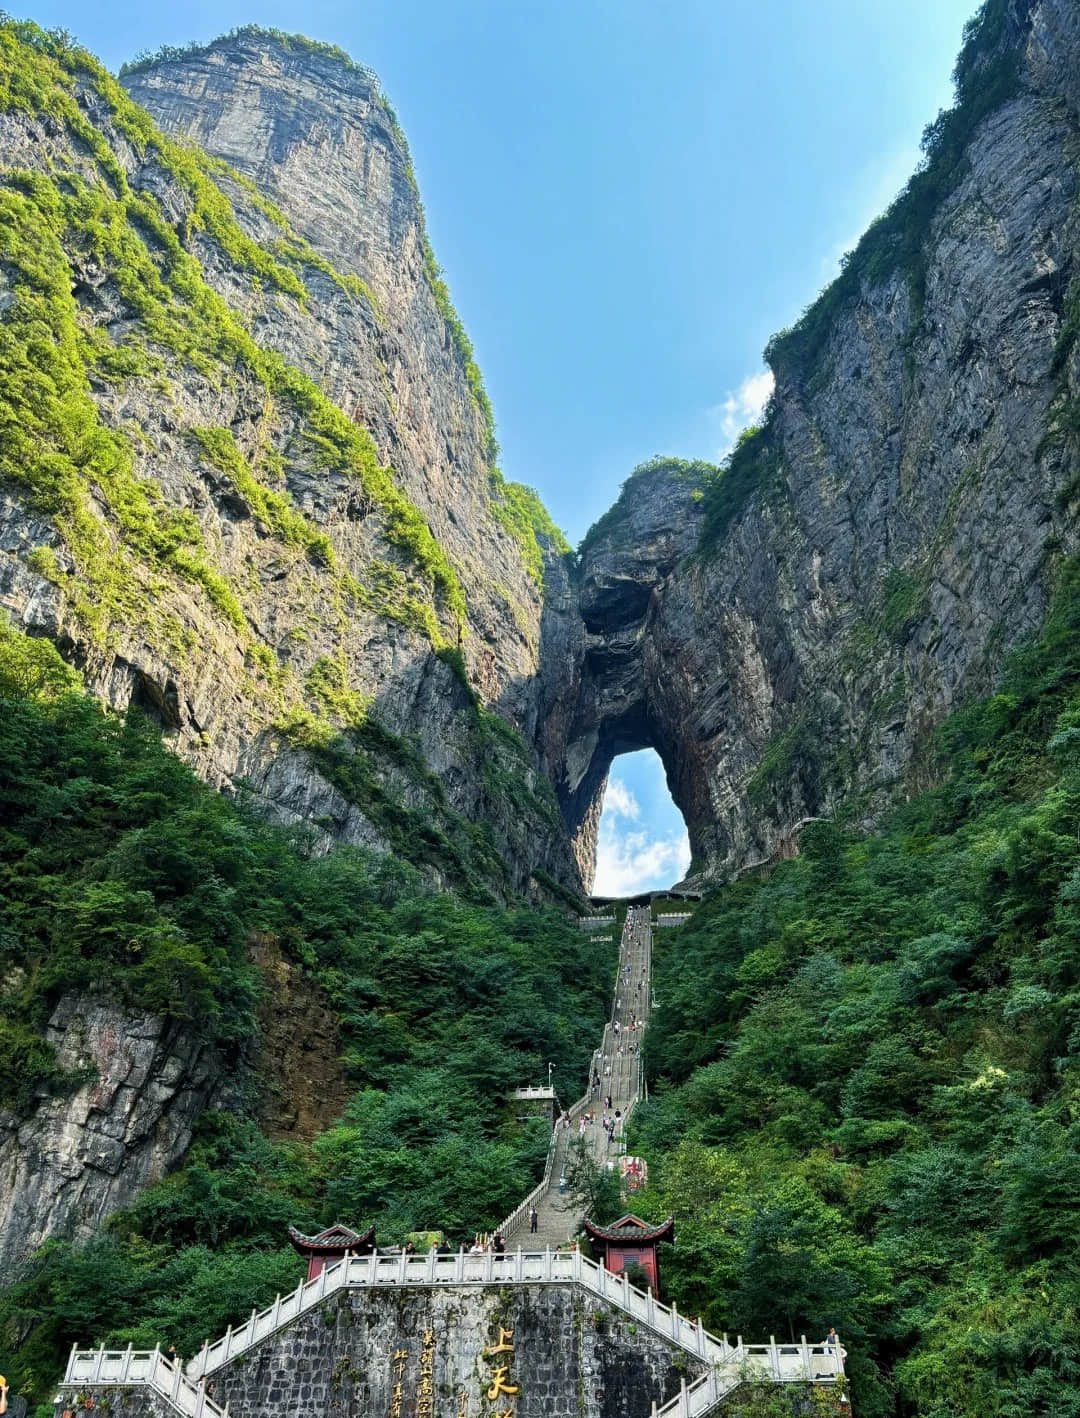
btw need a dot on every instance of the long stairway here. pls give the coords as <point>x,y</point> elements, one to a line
<point>617,1064</point>
<point>532,1258</point>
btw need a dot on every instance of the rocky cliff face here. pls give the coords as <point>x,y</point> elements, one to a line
<point>245,482</point>
<point>80,1156</point>
<point>869,556</point>
<point>293,527</point>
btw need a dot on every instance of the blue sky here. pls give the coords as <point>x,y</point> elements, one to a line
<point>628,197</point>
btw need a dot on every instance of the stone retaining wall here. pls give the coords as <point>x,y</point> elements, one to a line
<point>570,1354</point>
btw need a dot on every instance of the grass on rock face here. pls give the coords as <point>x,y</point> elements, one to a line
<point>57,229</point>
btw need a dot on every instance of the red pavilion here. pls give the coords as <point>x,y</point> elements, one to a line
<point>631,1241</point>
<point>330,1245</point>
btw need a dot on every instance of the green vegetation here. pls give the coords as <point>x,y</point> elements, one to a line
<point>517,508</point>
<point>904,603</point>
<point>753,463</point>
<point>519,511</point>
<point>986,76</point>
<point>866,1072</point>
<point>387,777</point>
<point>699,475</point>
<point>273,508</point>
<point>290,43</point>
<point>52,437</point>
<point>796,753</point>
<point>122,874</point>
<point>459,337</point>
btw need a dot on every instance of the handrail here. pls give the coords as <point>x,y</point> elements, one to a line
<point>729,1364</point>
<point>508,1227</point>
<point>143,1366</point>
<point>545,1267</point>
<point>772,1362</point>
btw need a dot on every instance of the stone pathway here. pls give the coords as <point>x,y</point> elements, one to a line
<point>618,1063</point>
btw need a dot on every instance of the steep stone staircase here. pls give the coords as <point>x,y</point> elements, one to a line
<point>534,1259</point>
<point>617,1064</point>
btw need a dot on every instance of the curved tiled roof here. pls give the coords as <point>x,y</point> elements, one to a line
<point>632,1228</point>
<point>334,1238</point>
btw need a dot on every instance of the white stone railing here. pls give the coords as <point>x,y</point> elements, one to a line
<point>90,1368</point>
<point>587,923</point>
<point>520,1267</point>
<point>673,918</point>
<point>756,1363</point>
<point>518,1216</point>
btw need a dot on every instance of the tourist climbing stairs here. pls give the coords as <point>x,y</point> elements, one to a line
<point>615,1073</point>
<point>539,1257</point>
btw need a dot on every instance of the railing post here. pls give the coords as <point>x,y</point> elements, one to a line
<point>228,1340</point>
<point>520,1264</point>
<point>373,1267</point>
<point>71,1362</point>
<point>403,1261</point>
<point>277,1311</point>
<point>700,1338</point>
<point>489,1264</point>
<point>431,1258</point>
<point>625,1290</point>
<point>575,1265</point>
<point>684,1406</point>
<point>459,1265</point>
<point>674,1320</point>
<point>807,1369</point>
<point>650,1307</point>
<point>547,1262</point>
<point>774,1357</point>
<point>126,1369</point>
<point>320,1289</point>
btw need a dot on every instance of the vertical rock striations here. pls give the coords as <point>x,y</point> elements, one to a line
<point>866,558</point>
<point>79,1157</point>
<point>289,527</point>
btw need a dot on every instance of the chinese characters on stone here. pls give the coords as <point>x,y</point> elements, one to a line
<point>501,1390</point>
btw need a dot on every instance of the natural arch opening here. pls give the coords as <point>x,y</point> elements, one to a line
<point>642,842</point>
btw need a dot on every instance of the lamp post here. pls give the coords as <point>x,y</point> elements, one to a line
<point>550,1067</point>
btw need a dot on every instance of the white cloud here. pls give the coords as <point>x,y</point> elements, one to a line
<point>628,862</point>
<point>741,407</point>
<point>619,800</point>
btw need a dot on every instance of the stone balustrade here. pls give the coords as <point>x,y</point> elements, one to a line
<point>123,1367</point>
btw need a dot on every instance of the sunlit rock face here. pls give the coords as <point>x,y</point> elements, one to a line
<point>917,498</point>
<point>309,131</point>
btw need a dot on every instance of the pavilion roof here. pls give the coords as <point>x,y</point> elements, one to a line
<point>630,1228</point>
<point>334,1238</point>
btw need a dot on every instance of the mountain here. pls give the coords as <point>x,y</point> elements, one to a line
<point>248,487</point>
<point>788,631</point>
<point>248,477</point>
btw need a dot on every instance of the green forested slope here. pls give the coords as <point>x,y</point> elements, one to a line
<point>866,1074</point>
<point>122,874</point>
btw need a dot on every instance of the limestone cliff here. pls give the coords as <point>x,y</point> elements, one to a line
<point>80,1156</point>
<point>246,482</point>
<point>258,496</point>
<point>788,633</point>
